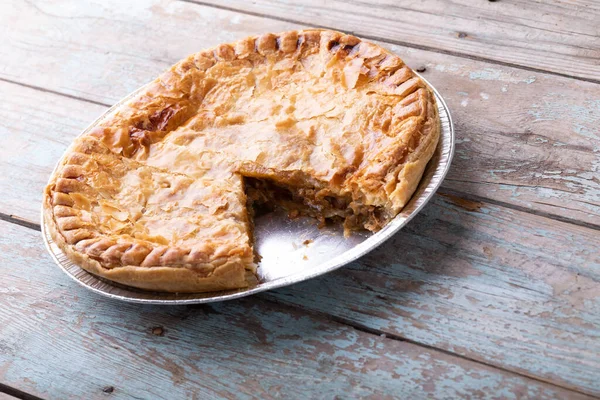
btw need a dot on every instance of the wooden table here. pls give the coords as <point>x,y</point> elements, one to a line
<point>493,291</point>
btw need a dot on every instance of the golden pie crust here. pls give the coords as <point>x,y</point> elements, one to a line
<point>154,195</point>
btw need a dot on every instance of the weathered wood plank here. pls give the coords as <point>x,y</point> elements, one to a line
<point>489,283</point>
<point>59,341</point>
<point>558,36</point>
<point>524,138</point>
<point>35,129</point>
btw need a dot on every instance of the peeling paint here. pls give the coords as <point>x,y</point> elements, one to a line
<point>448,68</point>
<point>494,74</point>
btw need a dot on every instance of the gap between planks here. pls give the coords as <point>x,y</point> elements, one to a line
<point>15,219</point>
<point>366,329</point>
<point>444,191</point>
<point>340,320</point>
<point>41,89</point>
<point>16,393</point>
<point>397,42</point>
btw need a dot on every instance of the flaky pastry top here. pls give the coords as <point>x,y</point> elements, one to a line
<point>158,181</point>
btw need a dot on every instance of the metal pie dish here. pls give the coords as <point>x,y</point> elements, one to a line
<point>291,251</point>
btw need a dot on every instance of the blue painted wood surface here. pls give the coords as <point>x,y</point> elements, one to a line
<point>468,278</point>
<point>486,282</point>
<point>554,35</point>
<point>60,341</point>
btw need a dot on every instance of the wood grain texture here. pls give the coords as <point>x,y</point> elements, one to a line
<point>486,282</point>
<point>35,129</point>
<point>524,139</point>
<point>501,286</point>
<point>60,341</point>
<point>558,36</point>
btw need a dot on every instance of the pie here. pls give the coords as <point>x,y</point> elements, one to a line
<point>159,194</point>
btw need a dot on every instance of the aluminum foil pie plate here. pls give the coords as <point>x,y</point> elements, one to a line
<point>292,250</point>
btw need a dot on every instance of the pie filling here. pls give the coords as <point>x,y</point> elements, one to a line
<point>319,203</point>
<point>160,194</point>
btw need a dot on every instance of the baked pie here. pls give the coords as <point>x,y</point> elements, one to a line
<point>159,194</point>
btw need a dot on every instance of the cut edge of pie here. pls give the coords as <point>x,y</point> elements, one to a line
<point>153,197</point>
<point>143,261</point>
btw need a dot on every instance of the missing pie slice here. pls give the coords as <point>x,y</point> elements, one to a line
<point>157,195</point>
